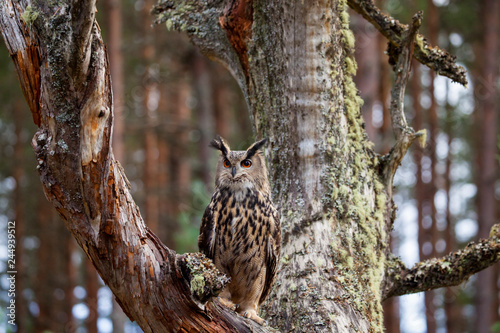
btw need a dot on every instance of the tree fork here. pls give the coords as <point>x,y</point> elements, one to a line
<point>71,101</point>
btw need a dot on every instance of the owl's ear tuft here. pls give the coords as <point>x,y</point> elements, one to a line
<point>219,144</point>
<point>255,147</point>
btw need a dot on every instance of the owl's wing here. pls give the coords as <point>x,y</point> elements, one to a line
<point>273,248</point>
<point>206,239</point>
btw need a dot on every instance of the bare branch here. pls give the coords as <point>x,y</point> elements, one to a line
<point>450,270</point>
<point>405,135</point>
<point>432,56</point>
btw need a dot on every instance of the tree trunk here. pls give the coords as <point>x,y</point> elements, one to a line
<point>451,306</point>
<point>113,13</point>
<point>368,74</point>
<point>92,287</point>
<point>222,114</point>
<point>428,222</point>
<point>294,62</point>
<point>486,99</point>
<point>19,175</point>
<point>151,97</point>
<point>302,96</point>
<point>204,109</point>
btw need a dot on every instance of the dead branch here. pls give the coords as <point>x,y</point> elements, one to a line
<point>450,270</point>
<point>432,56</point>
<point>405,135</point>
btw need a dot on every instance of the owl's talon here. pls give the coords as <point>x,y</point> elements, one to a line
<point>252,314</point>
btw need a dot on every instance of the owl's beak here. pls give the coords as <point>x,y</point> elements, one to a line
<point>233,171</point>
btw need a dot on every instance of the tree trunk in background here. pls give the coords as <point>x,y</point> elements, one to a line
<point>45,263</point>
<point>205,112</point>
<point>385,131</point>
<point>222,112</point>
<point>151,98</point>
<point>367,78</point>
<point>113,13</point>
<point>420,187</point>
<point>62,279</point>
<point>168,222</point>
<point>486,99</point>
<point>92,287</point>
<point>179,161</point>
<point>384,89</point>
<point>430,177</point>
<point>451,306</point>
<point>22,314</point>
<point>70,278</point>
<point>391,315</point>
<point>54,288</point>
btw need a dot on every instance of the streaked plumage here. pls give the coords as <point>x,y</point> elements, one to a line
<point>240,230</point>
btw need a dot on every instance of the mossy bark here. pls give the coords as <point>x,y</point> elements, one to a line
<point>301,95</point>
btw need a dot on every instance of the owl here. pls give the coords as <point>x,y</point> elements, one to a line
<point>240,230</point>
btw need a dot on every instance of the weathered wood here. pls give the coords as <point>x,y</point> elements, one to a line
<point>23,50</point>
<point>87,186</point>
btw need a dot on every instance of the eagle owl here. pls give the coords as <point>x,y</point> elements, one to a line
<point>240,230</point>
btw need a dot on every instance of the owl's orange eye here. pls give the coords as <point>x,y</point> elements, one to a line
<point>227,164</point>
<point>246,163</point>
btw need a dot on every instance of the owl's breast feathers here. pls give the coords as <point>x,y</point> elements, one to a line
<point>242,237</point>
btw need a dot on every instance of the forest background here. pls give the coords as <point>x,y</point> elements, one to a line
<point>170,101</point>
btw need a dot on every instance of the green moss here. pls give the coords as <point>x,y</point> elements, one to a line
<point>419,40</point>
<point>351,66</point>
<point>359,199</point>
<point>343,191</point>
<point>29,15</point>
<point>169,24</point>
<point>197,284</point>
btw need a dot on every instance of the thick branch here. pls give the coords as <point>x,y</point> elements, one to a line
<point>23,50</point>
<point>162,291</point>
<point>432,56</point>
<point>450,270</point>
<point>82,14</point>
